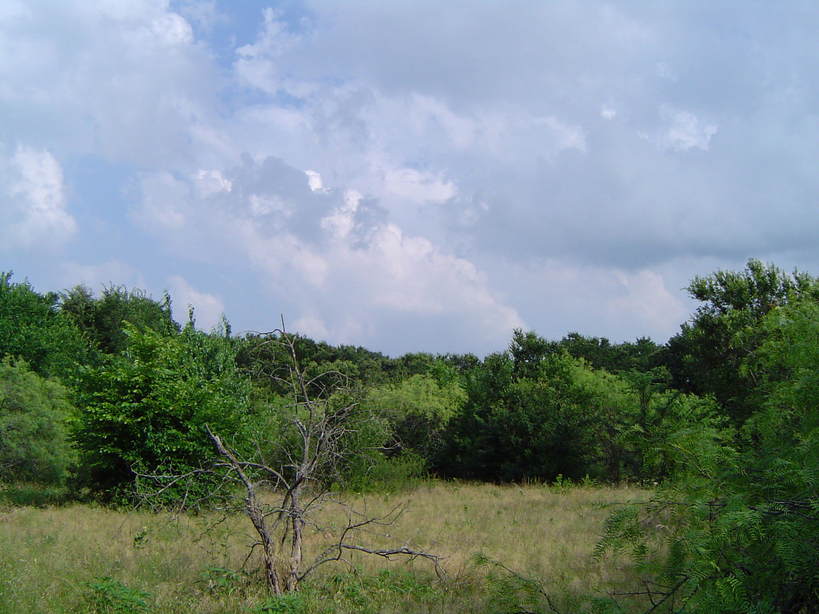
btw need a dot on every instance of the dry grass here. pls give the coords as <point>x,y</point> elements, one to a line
<point>48,556</point>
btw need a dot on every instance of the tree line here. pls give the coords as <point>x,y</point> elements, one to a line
<point>96,390</point>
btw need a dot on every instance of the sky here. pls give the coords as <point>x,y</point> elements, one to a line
<point>409,175</point>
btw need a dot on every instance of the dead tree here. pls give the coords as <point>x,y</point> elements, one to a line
<point>281,498</point>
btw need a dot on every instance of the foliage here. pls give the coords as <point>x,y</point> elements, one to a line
<point>417,409</point>
<point>642,355</point>
<point>519,427</point>
<point>33,328</point>
<point>146,408</point>
<point>509,591</point>
<point>34,495</point>
<point>288,603</point>
<point>102,319</point>
<point>268,363</point>
<point>705,357</point>
<point>109,596</point>
<point>741,526</point>
<point>34,416</point>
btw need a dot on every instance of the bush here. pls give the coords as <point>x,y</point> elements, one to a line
<point>109,596</point>
<point>146,409</point>
<point>33,328</point>
<point>34,415</point>
<point>739,527</point>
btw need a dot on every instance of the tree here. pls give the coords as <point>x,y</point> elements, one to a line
<point>738,529</point>
<point>417,409</point>
<point>147,407</point>
<point>34,417</point>
<point>640,355</point>
<point>102,319</point>
<point>314,448</point>
<point>534,419</point>
<point>33,328</point>
<point>706,355</point>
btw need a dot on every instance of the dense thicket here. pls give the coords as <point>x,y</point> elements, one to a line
<point>707,355</point>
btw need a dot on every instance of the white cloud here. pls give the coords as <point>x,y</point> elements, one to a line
<point>208,308</point>
<point>311,326</point>
<point>167,97</point>
<point>203,13</point>
<point>212,182</point>
<point>417,186</point>
<point>342,220</point>
<point>261,206</point>
<point>127,81</point>
<point>607,112</point>
<point>685,131</point>
<point>172,29</point>
<point>32,195</point>
<point>258,64</point>
<point>595,300</point>
<point>348,280</point>
<point>314,181</point>
<point>644,297</point>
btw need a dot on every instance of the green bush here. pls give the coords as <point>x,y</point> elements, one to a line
<point>109,596</point>
<point>34,495</point>
<point>737,530</point>
<point>34,416</point>
<point>33,328</point>
<point>146,408</point>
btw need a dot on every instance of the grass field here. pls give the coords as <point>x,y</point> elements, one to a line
<point>57,559</point>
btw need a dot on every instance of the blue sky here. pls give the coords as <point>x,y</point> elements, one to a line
<point>409,175</point>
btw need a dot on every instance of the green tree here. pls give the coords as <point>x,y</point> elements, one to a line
<point>34,417</point>
<point>533,419</point>
<point>103,319</point>
<point>739,526</point>
<point>706,355</point>
<point>33,328</point>
<point>640,355</point>
<point>417,410</point>
<point>146,408</point>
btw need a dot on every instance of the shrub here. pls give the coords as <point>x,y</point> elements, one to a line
<point>146,409</point>
<point>34,413</point>
<point>109,596</point>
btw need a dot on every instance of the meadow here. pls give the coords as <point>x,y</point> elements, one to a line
<point>502,549</point>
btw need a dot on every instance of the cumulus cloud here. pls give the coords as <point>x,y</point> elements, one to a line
<point>32,194</point>
<point>165,201</point>
<point>593,299</point>
<point>124,80</point>
<point>383,181</point>
<point>417,186</point>
<point>342,271</point>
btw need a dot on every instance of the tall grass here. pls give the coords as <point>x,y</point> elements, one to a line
<point>62,559</point>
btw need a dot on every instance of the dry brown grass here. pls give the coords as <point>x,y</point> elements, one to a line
<point>47,556</point>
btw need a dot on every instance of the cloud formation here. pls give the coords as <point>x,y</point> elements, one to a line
<point>32,195</point>
<point>410,175</point>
